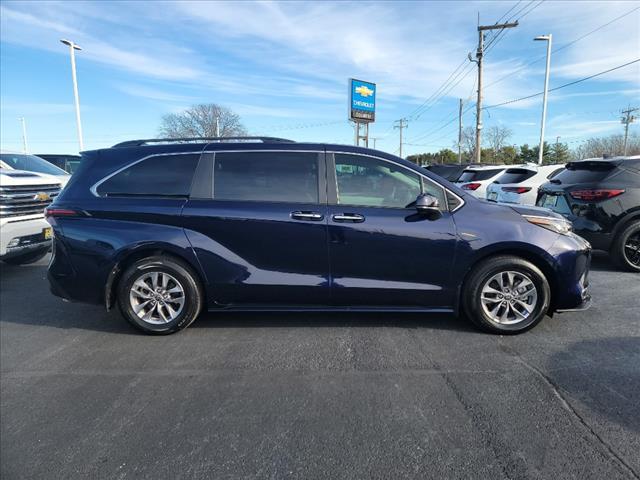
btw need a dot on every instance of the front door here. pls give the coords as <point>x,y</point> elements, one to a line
<point>382,252</point>
<point>261,236</point>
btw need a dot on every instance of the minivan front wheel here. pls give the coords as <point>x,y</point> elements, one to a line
<point>506,295</point>
<point>159,295</point>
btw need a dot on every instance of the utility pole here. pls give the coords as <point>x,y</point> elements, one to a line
<point>374,141</point>
<point>478,61</point>
<point>217,126</point>
<point>626,120</point>
<point>460,133</point>
<point>402,123</point>
<point>25,148</point>
<point>557,148</point>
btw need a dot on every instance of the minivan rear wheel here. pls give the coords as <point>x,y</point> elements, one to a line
<point>506,295</point>
<point>159,295</point>
<point>625,250</point>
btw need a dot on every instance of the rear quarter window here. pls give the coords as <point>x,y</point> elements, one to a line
<point>162,176</point>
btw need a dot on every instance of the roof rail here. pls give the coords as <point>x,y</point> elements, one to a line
<point>149,141</point>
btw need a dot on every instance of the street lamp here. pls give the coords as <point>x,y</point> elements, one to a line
<point>72,48</point>
<point>548,39</point>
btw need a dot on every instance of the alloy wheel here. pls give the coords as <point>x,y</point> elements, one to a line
<point>509,297</point>
<point>632,249</point>
<point>157,297</point>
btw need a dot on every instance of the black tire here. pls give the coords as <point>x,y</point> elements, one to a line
<point>187,281</point>
<point>479,277</point>
<point>25,258</point>
<point>624,250</point>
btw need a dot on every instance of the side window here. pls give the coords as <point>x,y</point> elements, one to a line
<point>371,182</point>
<point>162,175</point>
<point>290,177</point>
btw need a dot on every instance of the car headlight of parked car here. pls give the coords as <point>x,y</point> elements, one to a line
<point>557,225</point>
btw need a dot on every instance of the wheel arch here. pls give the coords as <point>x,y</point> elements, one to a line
<point>130,256</point>
<point>538,258</point>
<point>631,216</point>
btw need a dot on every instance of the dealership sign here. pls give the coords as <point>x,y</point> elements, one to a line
<point>362,101</point>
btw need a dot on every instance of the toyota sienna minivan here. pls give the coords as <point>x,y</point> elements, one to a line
<point>166,229</point>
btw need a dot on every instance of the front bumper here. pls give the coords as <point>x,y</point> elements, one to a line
<point>22,235</point>
<point>571,280</point>
<point>585,305</point>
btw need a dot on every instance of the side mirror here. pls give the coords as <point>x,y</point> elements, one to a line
<point>427,204</point>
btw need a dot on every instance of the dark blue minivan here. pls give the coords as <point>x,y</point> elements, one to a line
<point>167,228</point>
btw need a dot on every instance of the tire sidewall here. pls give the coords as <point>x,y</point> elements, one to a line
<point>626,233</point>
<point>473,304</point>
<point>193,297</point>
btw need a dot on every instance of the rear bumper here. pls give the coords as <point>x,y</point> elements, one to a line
<point>599,241</point>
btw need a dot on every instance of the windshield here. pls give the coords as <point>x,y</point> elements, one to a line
<point>30,163</point>
<point>478,175</point>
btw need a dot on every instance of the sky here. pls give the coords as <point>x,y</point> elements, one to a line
<point>284,68</point>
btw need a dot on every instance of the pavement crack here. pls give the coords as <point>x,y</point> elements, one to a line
<point>556,390</point>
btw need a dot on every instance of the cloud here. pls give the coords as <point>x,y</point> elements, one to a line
<point>160,59</point>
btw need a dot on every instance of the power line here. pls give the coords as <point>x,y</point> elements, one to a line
<point>458,74</point>
<point>562,86</point>
<point>566,45</point>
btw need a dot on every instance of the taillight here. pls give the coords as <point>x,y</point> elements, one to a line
<point>60,212</point>
<point>517,190</point>
<point>596,195</point>
<point>471,186</point>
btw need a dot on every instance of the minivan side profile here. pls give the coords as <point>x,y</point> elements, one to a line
<point>167,229</point>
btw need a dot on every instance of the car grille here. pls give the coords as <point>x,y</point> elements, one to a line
<point>18,200</point>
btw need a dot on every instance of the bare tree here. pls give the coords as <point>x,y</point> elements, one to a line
<point>200,121</point>
<point>497,137</point>
<point>610,146</point>
<point>469,140</point>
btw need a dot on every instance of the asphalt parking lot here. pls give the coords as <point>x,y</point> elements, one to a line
<point>357,396</point>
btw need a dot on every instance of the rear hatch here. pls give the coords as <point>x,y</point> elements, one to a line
<point>506,187</point>
<point>577,185</point>
<point>471,177</point>
<point>587,193</point>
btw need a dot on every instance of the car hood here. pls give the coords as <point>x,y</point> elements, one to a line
<point>537,211</point>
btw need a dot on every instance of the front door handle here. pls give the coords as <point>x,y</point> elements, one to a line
<point>348,217</point>
<point>307,216</point>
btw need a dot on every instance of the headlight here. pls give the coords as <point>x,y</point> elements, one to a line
<point>556,225</point>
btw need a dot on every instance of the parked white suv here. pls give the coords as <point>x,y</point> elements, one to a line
<point>520,184</point>
<point>475,179</point>
<point>31,163</point>
<point>25,236</point>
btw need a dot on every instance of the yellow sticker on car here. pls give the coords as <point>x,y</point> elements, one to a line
<point>47,233</point>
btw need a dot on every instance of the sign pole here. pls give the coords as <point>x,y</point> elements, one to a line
<point>362,108</point>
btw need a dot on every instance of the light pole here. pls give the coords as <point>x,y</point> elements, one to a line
<point>24,135</point>
<point>548,38</point>
<point>72,50</point>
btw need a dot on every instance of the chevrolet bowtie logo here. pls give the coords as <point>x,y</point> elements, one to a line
<point>364,91</point>
<point>42,197</point>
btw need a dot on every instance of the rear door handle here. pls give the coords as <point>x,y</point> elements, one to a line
<point>348,217</point>
<point>307,216</point>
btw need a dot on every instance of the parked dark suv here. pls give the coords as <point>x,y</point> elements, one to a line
<point>166,229</point>
<point>601,197</point>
